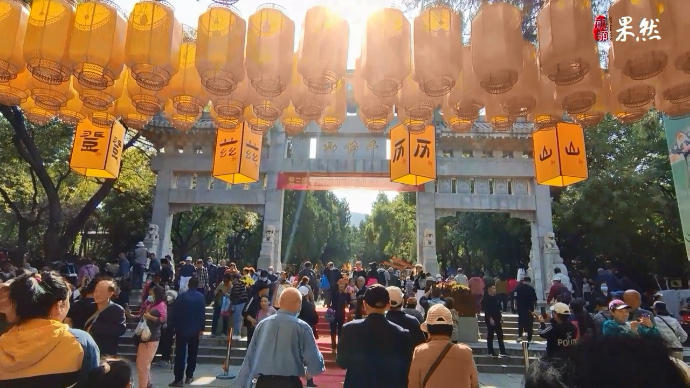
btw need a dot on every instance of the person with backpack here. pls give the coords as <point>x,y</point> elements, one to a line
<point>559,293</point>
<point>309,272</point>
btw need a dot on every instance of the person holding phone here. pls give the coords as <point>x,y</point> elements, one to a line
<point>620,326</point>
<point>560,333</point>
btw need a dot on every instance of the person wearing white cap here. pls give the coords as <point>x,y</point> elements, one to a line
<point>400,318</point>
<point>187,270</point>
<point>561,333</point>
<point>439,363</point>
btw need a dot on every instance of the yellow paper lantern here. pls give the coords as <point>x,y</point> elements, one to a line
<point>499,119</point>
<point>102,118</point>
<point>632,93</point>
<point>559,155</point>
<point>49,96</point>
<point>35,114</point>
<point>386,52</point>
<point>179,121</point>
<point>377,124</point>
<point>455,123</point>
<point>128,114</point>
<point>465,97</point>
<point>293,124</point>
<point>220,48</point>
<point>336,109</point>
<point>323,49</point>
<point>680,55</point>
<point>641,51</point>
<point>14,17</point>
<point>376,112</point>
<point>268,108</point>
<point>73,112</point>
<point>567,49</point>
<point>677,111</point>
<point>97,45</point>
<point>308,104</point>
<point>497,49</point>
<point>580,97</point>
<point>417,105</point>
<point>47,40</point>
<point>674,85</point>
<point>624,113</point>
<point>596,113</point>
<point>232,106</point>
<point>237,156</point>
<point>147,101</point>
<point>255,123</point>
<point>547,112</point>
<point>226,124</point>
<point>100,100</point>
<point>413,155</point>
<point>520,100</point>
<point>437,53</point>
<point>97,152</point>
<point>152,48</point>
<point>270,45</point>
<point>15,91</point>
<point>185,89</point>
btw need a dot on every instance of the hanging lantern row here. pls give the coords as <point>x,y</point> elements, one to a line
<point>89,60</point>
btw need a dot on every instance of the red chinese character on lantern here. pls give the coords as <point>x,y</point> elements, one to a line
<point>601,29</point>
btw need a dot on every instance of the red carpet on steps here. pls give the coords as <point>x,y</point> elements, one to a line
<point>334,376</point>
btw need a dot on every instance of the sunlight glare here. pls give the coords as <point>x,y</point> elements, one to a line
<point>312,148</point>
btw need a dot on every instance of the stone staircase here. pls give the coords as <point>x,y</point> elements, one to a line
<point>212,350</point>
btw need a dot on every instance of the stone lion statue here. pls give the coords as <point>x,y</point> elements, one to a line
<point>428,237</point>
<point>152,232</point>
<point>550,241</point>
<point>270,233</point>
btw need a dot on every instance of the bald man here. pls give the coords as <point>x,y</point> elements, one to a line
<point>281,348</point>
<point>633,299</point>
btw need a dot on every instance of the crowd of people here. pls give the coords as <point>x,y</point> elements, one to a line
<point>388,328</point>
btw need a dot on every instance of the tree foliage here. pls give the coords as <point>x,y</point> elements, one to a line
<point>315,227</point>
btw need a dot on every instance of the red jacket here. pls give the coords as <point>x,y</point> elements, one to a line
<point>512,283</point>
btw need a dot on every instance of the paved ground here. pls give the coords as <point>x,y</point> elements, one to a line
<point>206,377</point>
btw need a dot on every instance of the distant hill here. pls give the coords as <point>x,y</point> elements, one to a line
<point>356,218</point>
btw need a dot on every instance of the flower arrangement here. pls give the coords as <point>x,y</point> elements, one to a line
<point>451,286</point>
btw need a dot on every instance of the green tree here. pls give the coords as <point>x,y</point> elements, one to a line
<point>212,231</point>
<point>51,194</point>
<point>626,212</point>
<point>315,227</point>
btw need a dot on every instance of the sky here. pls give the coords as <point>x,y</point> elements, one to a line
<point>360,201</point>
<point>354,11</point>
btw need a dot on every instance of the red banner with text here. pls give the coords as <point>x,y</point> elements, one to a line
<point>304,181</point>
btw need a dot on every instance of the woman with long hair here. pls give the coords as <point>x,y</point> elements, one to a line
<point>154,312</point>
<point>39,350</point>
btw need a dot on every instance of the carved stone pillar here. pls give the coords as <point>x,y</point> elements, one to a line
<point>541,227</point>
<point>270,254</point>
<point>426,229</point>
<point>162,214</point>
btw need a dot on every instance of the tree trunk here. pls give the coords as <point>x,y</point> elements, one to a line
<point>23,229</point>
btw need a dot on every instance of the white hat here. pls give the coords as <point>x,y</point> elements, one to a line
<point>140,244</point>
<point>304,290</point>
<point>189,258</point>
<point>438,314</point>
<point>561,308</point>
<point>396,296</point>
